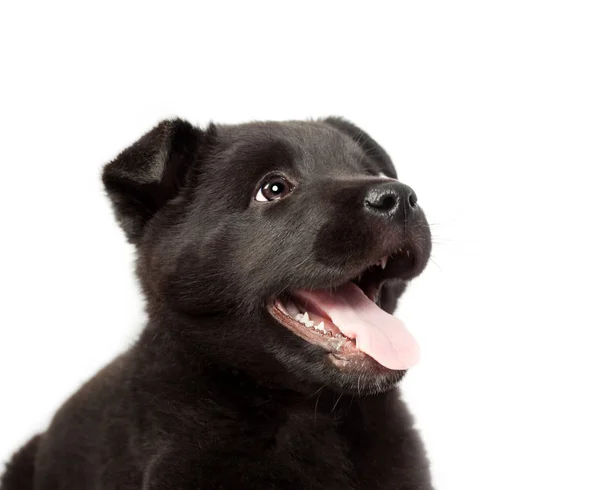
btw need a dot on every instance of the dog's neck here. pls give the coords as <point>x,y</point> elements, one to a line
<point>212,344</point>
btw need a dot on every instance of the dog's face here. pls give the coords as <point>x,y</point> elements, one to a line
<point>288,243</point>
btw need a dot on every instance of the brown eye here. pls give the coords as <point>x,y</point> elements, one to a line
<point>274,187</point>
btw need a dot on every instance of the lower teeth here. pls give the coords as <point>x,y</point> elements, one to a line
<point>308,323</point>
<point>305,320</point>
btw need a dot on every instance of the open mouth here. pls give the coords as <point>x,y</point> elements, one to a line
<point>347,320</point>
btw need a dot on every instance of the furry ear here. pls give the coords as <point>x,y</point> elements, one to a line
<point>149,173</point>
<point>368,144</point>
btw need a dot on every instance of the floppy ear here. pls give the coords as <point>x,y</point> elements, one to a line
<point>368,144</point>
<point>149,173</point>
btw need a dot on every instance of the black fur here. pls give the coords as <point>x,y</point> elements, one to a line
<point>216,393</point>
<point>19,471</point>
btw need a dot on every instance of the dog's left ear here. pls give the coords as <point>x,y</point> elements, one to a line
<point>368,144</point>
<point>151,172</point>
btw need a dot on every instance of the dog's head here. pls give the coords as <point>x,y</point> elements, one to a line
<point>283,244</point>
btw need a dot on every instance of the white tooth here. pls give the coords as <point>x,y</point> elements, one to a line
<point>384,262</point>
<point>321,326</point>
<point>309,323</point>
<point>299,317</point>
<point>305,318</point>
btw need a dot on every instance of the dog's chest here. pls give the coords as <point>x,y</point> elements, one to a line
<point>299,447</point>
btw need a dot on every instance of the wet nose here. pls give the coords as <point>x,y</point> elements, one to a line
<point>390,199</point>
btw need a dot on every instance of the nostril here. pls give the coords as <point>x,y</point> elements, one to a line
<point>387,202</point>
<point>382,201</point>
<point>412,200</point>
<point>388,199</point>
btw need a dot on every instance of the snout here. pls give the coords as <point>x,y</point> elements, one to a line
<point>390,200</point>
<point>371,219</point>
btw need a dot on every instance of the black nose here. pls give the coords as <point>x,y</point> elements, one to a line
<point>389,199</point>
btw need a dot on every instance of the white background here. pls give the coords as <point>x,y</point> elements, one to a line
<point>491,111</point>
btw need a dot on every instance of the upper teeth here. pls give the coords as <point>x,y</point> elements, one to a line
<point>382,262</point>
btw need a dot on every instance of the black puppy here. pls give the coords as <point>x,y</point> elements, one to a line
<point>271,255</point>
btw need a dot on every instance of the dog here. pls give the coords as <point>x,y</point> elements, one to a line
<point>271,256</point>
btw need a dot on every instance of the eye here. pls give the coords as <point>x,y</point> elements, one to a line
<point>274,187</point>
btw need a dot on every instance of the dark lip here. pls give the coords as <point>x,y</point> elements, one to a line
<point>399,266</point>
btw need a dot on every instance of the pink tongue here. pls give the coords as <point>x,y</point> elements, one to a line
<point>377,333</point>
